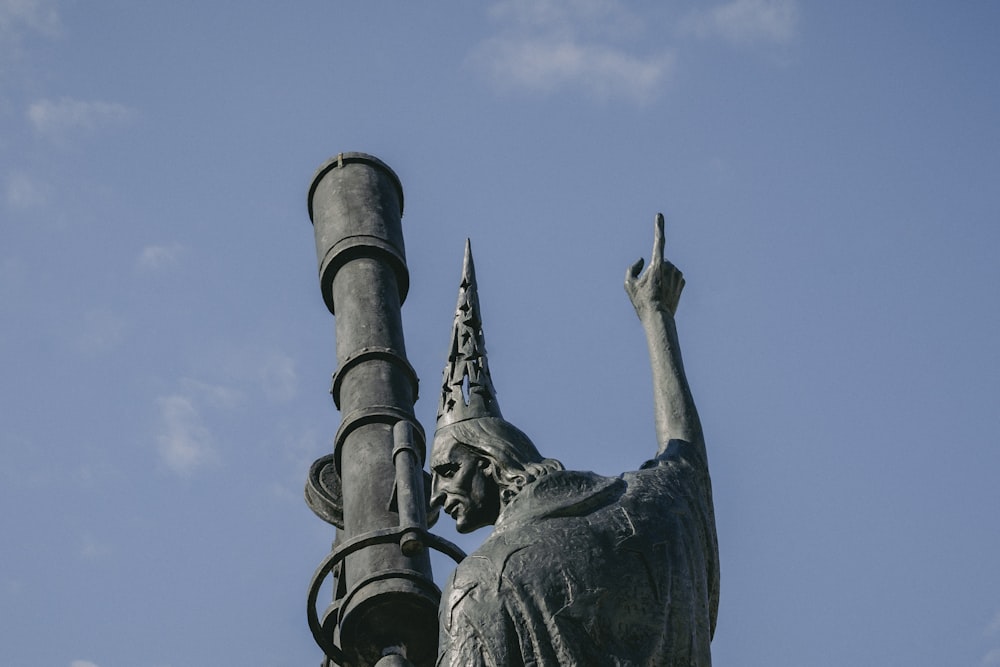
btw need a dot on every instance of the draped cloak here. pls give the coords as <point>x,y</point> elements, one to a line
<point>583,569</point>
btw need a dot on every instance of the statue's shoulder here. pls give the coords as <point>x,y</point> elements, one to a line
<point>570,506</point>
<point>562,493</point>
<point>537,520</point>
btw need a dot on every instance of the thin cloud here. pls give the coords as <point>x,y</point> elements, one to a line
<point>13,278</point>
<point>92,549</point>
<point>545,66</point>
<point>600,17</point>
<point>24,192</point>
<point>82,663</point>
<point>155,257</point>
<point>263,369</point>
<point>214,395</point>
<point>744,22</point>
<point>58,119</point>
<point>994,627</point>
<point>21,21</point>
<point>571,44</point>
<point>992,658</point>
<point>185,444</point>
<point>28,15</point>
<point>278,377</point>
<point>299,450</point>
<point>100,331</point>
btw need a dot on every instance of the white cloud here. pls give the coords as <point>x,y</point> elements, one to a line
<point>64,117</point>
<point>215,395</point>
<point>100,332</point>
<point>268,370</point>
<point>185,444</point>
<point>82,663</point>
<point>547,45</point>
<point>35,15</point>
<point>13,277</point>
<point>154,257</point>
<point>543,65</point>
<point>278,377</point>
<point>24,192</point>
<point>20,21</point>
<point>603,17</point>
<point>299,450</point>
<point>94,475</point>
<point>994,627</point>
<point>92,549</point>
<point>992,658</point>
<point>747,21</point>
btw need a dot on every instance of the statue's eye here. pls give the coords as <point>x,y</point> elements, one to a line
<point>446,470</point>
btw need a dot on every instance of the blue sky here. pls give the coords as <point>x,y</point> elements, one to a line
<point>830,174</point>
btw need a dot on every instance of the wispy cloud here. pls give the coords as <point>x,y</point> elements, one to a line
<point>994,626</point>
<point>23,192</point>
<point>28,15</point>
<point>188,440</point>
<point>607,17</point>
<point>63,118</point>
<point>299,450</point>
<point>992,657</point>
<point>550,45</point>
<point>82,663</point>
<point>213,395</point>
<point>542,65</point>
<point>185,443</point>
<point>278,377</point>
<point>100,331</point>
<point>744,22</point>
<point>13,278</point>
<point>155,257</point>
<point>92,549</point>
<point>261,368</point>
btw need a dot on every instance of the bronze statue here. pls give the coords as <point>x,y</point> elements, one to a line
<point>580,569</point>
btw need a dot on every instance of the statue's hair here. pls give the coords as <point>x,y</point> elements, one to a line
<point>514,459</point>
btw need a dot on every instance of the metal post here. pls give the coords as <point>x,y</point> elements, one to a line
<point>385,607</point>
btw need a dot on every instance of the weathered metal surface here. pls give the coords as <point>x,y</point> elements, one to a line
<point>580,569</point>
<point>385,606</point>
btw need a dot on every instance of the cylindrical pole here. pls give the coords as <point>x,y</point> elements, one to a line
<point>387,603</point>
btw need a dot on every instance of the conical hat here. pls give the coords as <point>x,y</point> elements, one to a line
<point>467,389</point>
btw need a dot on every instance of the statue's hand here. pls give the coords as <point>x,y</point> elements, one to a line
<point>659,288</point>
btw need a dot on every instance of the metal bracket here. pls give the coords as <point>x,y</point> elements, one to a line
<point>322,634</point>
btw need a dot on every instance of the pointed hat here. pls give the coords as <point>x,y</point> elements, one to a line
<point>467,389</point>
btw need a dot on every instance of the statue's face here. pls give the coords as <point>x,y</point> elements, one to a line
<point>461,485</point>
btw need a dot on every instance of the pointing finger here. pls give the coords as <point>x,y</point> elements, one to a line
<point>658,240</point>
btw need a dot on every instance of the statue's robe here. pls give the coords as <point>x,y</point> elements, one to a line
<point>589,570</point>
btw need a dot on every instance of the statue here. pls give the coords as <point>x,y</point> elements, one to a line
<point>580,569</point>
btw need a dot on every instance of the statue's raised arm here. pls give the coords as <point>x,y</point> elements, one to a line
<point>655,294</point>
<point>581,568</point>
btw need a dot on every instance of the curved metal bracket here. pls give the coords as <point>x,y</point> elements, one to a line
<point>320,632</point>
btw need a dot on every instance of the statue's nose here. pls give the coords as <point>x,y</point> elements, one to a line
<point>437,495</point>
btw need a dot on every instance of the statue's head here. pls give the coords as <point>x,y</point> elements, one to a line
<point>480,465</point>
<point>479,460</point>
